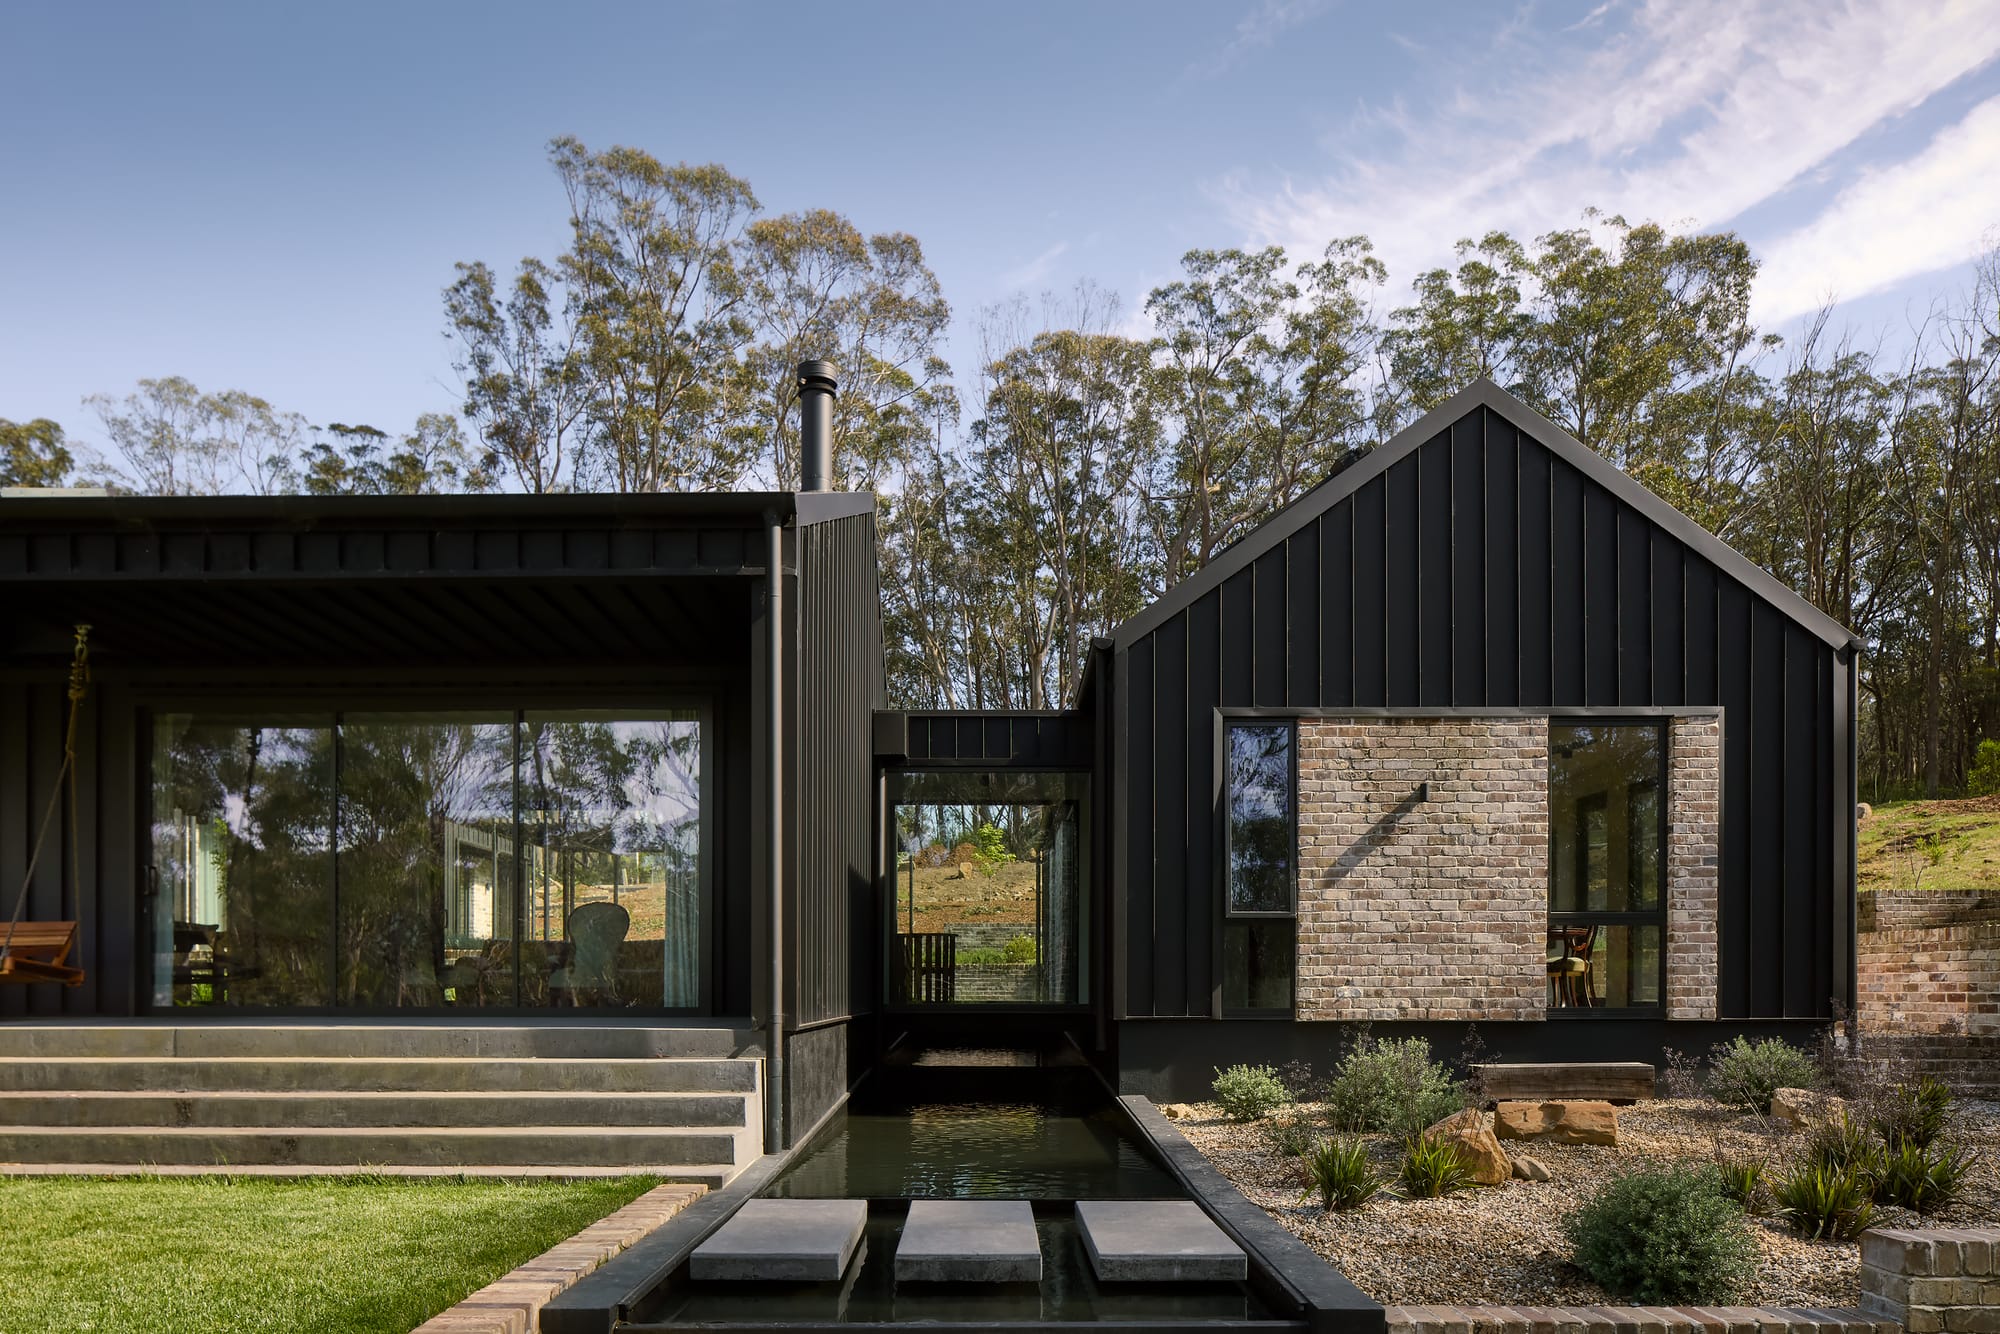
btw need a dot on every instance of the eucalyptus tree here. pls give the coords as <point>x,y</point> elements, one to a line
<point>32,453</point>
<point>815,287</point>
<point>525,381</point>
<point>432,459</point>
<point>661,319</point>
<point>178,441</point>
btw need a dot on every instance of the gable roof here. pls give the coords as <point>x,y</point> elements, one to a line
<point>1483,393</point>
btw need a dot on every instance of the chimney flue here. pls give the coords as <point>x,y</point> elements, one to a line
<point>816,391</point>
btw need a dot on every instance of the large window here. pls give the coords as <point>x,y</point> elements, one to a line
<point>989,901</point>
<point>1259,930</point>
<point>1607,869</point>
<point>445,859</point>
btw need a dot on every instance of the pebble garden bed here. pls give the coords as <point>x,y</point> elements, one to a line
<point>1504,1244</point>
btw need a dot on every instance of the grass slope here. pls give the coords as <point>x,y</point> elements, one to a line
<point>176,1255</point>
<point>1932,845</point>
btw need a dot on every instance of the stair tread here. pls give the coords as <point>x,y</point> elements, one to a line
<point>446,1132</point>
<point>383,1060</point>
<point>719,1172</point>
<point>344,1095</point>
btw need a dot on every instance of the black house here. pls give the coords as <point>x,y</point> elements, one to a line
<point>1477,731</point>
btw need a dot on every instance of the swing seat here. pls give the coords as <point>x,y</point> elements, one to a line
<point>37,954</point>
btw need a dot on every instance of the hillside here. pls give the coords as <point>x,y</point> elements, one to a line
<point>1932,845</point>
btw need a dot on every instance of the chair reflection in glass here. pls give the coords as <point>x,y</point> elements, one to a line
<point>1570,979</point>
<point>590,976</point>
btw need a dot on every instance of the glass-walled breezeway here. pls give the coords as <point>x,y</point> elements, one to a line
<point>990,902</point>
<point>397,860</point>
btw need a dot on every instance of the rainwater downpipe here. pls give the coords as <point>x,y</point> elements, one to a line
<point>774,1042</point>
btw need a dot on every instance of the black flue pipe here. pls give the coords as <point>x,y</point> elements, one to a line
<point>816,391</point>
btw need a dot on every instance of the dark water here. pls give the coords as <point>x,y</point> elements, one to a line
<point>977,1151</point>
<point>1068,1291</point>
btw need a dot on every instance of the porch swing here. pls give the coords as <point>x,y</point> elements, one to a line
<point>39,951</point>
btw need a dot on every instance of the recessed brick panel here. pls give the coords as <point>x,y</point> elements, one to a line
<point>1694,865</point>
<point>1433,909</point>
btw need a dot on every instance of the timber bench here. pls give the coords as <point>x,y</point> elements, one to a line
<point>1602,1081</point>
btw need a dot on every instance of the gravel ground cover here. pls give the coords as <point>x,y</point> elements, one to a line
<point>1503,1245</point>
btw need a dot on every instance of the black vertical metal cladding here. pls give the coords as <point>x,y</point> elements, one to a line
<point>816,392</point>
<point>1485,559</point>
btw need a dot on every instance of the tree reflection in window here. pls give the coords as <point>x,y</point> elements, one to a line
<point>1261,839</point>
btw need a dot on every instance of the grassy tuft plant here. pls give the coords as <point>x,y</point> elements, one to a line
<point>1432,1167</point>
<point>1247,1092</point>
<point>1926,1178</point>
<point>1842,1144</point>
<point>1824,1203</point>
<point>1338,1170</point>
<point>1292,1133</point>
<point>1392,1086</point>
<point>1913,1115</point>
<point>1663,1235</point>
<point>1745,1074</point>
<point>1742,1180</point>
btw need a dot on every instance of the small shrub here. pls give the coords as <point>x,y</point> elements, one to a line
<point>1391,1086</point>
<point>1292,1133</point>
<point>1745,1074</point>
<point>1021,949</point>
<point>1680,1073</point>
<point>1663,1235</point>
<point>1339,1171</point>
<point>1824,1203</point>
<point>989,847</point>
<point>1913,1114</point>
<point>1298,1078</point>
<point>1841,1144</point>
<point>1742,1180</point>
<point>1432,1167</point>
<point>1982,777</point>
<point>1246,1092</point>
<point>1926,1178</point>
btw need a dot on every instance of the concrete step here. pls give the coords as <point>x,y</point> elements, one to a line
<point>269,1110</point>
<point>633,1148</point>
<point>377,1074</point>
<point>387,1040</point>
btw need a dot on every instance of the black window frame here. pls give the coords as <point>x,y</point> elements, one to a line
<point>1291,909</point>
<point>1655,916</point>
<point>1227,916</point>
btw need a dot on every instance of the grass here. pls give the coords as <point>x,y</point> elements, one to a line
<point>343,1255</point>
<point>1931,845</point>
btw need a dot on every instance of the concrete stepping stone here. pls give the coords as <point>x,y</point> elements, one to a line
<point>783,1241</point>
<point>969,1241</point>
<point>1157,1241</point>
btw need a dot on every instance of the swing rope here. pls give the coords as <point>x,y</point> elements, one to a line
<point>79,685</point>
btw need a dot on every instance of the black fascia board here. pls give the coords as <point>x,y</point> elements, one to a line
<point>294,511</point>
<point>1483,393</point>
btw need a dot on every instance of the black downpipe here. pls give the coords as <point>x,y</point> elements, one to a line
<point>816,394</point>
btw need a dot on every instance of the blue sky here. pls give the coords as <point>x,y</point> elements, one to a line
<point>270,197</point>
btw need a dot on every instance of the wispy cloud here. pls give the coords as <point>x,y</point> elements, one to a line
<point>1256,30</point>
<point>1688,112</point>
<point>1036,270</point>
<point>1933,211</point>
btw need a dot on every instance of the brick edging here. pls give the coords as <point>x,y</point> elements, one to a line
<point>512,1303</point>
<point>1633,1320</point>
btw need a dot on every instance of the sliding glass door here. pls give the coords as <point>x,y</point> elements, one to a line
<point>439,860</point>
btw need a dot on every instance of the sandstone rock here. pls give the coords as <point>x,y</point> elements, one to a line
<point>1482,1152</point>
<point>1562,1122</point>
<point>1173,1111</point>
<point>1530,1169</point>
<point>1797,1107</point>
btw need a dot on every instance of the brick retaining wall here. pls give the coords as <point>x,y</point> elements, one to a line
<point>1929,962</point>
<point>1694,865</point>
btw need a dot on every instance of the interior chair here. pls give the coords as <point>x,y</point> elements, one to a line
<point>595,931</point>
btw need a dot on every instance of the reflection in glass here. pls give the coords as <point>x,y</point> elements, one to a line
<point>989,901</point>
<point>611,828</point>
<point>1258,956</point>
<point>1606,864</point>
<point>427,868</point>
<point>1261,841</point>
<point>243,851</point>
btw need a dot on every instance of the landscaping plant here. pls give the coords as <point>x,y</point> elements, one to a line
<point>1663,1235</point>
<point>1926,1178</point>
<point>1390,1085</point>
<point>1842,1144</point>
<point>1246,1092</point>
<point>1292,1133</point>
<point>1824,1203</point>
<point>1745,1074</point>
<point>1913,1114</point>
<point>1339,1171</point>
<point>1432,1166</point>
<point>1742,1180</point>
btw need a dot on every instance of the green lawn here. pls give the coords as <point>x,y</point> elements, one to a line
<point>1931,845</point>
<point>181,1255</point>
